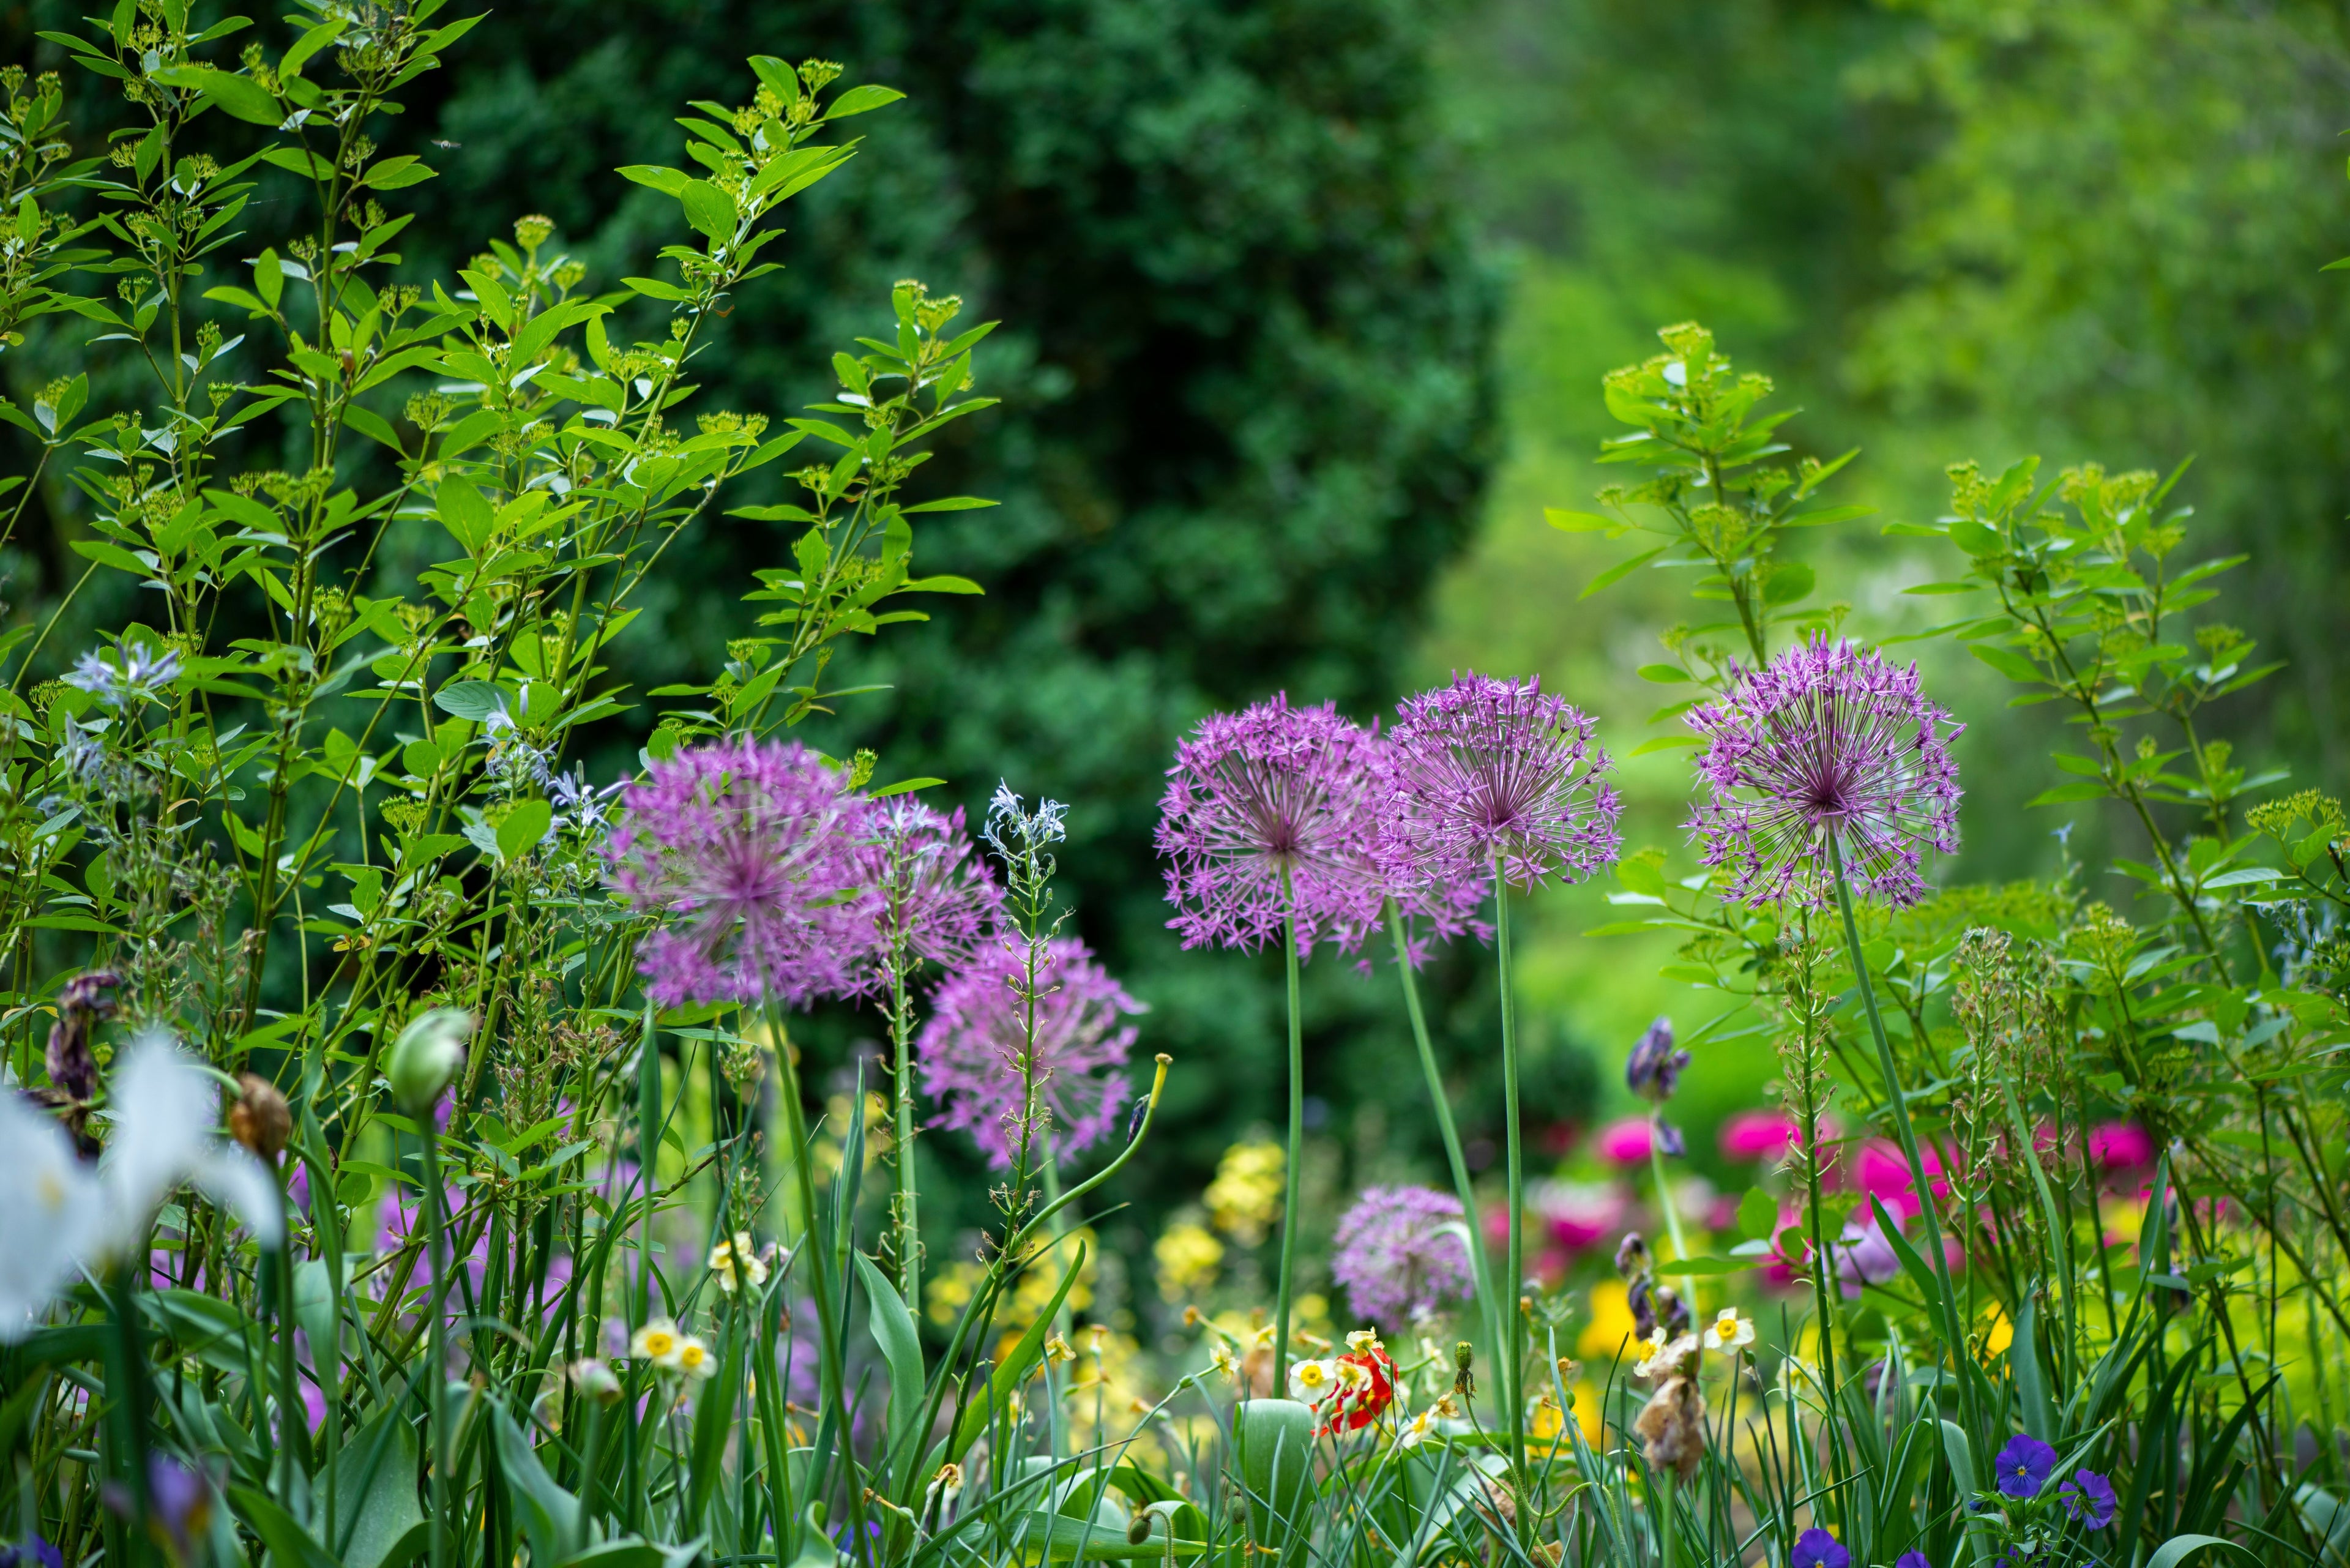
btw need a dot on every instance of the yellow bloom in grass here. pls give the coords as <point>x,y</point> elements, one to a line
<point>737,1264</point>
<point>658,1343</point>
<point>1219,1356</point>
<point>1187,1257</point>
<point>1244,1199</point>
<point>1419,1429</point>
<point>1729,1330</point>
<point>1058,1351</point>
<point>1998,1334</point>
<point>1611,1323</point>
<point>693,1357</point>
<point>1545,1421</point>
<point>1661,1357</point>
<point>1586,1411</point>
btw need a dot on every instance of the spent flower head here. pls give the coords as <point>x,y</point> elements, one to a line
<point>758,862</point>
<point>1497,771</point>
<point>938,901</point>
<point>1270,814</point>
<point>1829,741</point>
<point>973,1047</point>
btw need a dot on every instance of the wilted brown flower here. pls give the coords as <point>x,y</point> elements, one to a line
<point>260,1119</point>
<point>1672,1424</point>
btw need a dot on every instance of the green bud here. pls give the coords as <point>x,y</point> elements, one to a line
<point>426,1056</point>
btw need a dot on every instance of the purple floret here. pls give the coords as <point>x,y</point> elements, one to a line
<point>1395,1258</point>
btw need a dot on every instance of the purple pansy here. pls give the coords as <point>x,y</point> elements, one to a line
<point>1815,1548</point>
<point>2023,1467</point>
<point>2089,1498</point>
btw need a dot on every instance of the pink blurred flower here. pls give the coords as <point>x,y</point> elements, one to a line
<point>1882,1172</point>
<point>1757,1135</point>
<point>2120,1146</point>
<point>1578,1214</point>
<point>1625,1142</point>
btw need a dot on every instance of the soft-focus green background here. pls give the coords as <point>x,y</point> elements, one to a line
<point>1306,306</point>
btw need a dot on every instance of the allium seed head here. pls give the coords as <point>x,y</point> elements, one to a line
<point>971,1049</point>
<point>1830,739</point>
<point>1271,794</point>
<point>760,863</point>
<point>1495,770</point>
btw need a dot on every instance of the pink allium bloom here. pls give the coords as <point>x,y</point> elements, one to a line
<point>2120,1146</point>
<point>1395,1257</point>
<point>1491,769</point>
<point>1577,1215</point>
<point>937,900</point>
<point>1626,1142</point>
<point>1829,740</point>
<point>1757,1136</point>
<point>971,1049</point>
<point>1270,813</point>
<point>1882,1172</point>
<point>760,862</point>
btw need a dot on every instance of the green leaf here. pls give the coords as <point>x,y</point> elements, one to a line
<point>2066,793</point>
<point>2008,662</point>
<point>1788,584</point>
<point>1663,674</point>
<point>241,97</point>
<point>669,181</point>
<point>397,173</point>
<point>2180,1548</point>
<point>858,99</point>
<point>903,785</point>
<point>1757,1212</point>
<point>1665,744</point>
<point>474,699</point>
<point>378,1516</point>
<point>951,503</point>
<point>1273,1439</point>
<point>1620,570</point>
<point>1012,1371</point>
<point>709,209</point>
<point>290,1545</point>
<point>2243,877</point>
<point>654,288</point>
<point>901,1348</point>
<point>1708,1266</point>
<point>521,827</point>
<point>1567,522</point>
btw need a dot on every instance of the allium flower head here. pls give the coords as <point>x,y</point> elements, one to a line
<point>762,862</point>
<point>1399,1255</point>
<point>972,1046</point>
<point>1272,812</point>
<point>1830,739</point>
<point>1438,900</point>
<point>937,900</point>
<point>1492,769</point>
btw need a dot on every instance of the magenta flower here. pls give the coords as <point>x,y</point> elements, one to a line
<point>972,1047</point>
<point>1272,812</point>
<point>1396,1258</point>
<point>937,901</point>
<point>760,864</point>
<point>2123,1146</point>
<point>1757,1135</point>
<point>1491,770</point>
<point>1625,1142</point>
<point>1830,739</point>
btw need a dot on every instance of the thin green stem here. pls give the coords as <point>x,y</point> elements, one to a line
<point>1512,1349</point>
<point>1296,1148</point>
<point>1481,1267</point>
<point>1953,1326</point>
<point>436,1368</point>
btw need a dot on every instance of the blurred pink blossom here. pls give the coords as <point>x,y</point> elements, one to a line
<point>1882,1172</point>
<point>1757,1135</point>
<point>1578,1214</point>
<point>1625,1142</point>
<point>2121,1146</point>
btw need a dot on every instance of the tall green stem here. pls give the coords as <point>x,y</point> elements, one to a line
<point>909,1228</point>
<point>1672,1215</point>
<point>1481,1267</point>
<point>1296,1147</point>
<point>1513,1319</point>
<point>1953,1327</point>
<point>436,1368</point>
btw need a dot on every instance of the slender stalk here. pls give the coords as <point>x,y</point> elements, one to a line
<point>1953,1327</point>
<point>436,1368</point>
<point>1513,1319</point>
<point>1481,1267</point>
<point>1296,1148</point>
<point>909,1215</point>
<point>1672,1215</point>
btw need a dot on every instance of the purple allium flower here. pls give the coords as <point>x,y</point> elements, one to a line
<point>1654,1069</point>
<point>1815,1548</point>
<point>1491,769</point>
<point>971,1048</point>
<point>2023,1466</point>
<point>938,902</point>
<point>1396,1258</point>
<point>2088,1497</point>
<point>762,862</point>
<point>1830,739</point>
<point>1267,796</point>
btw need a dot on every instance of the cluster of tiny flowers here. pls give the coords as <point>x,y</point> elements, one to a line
<point>978,1029</point>
<point>136,676</point>
<point>1399,1256</point>
<point>1830,739</point>
<point>1496,772</point>
<point>938,902</point>
<point>1270,815</point>
<point>760,860</point>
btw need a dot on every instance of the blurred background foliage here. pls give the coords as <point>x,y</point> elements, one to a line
<point>1305,305</point>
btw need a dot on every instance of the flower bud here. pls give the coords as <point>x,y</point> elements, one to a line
<point>259,1119</point>
<point>595,1381</point>
<point>426,1057</point>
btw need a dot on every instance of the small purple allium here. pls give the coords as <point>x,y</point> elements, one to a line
<point>972,1047</point>
<point>762,863</point>
<point>938,902</point>
<point>1492,770</point>
<point>1815,1548</point>
<point>1654,1069</point>
<point>2088,1497</point>
<point>2023,1467</point>
<point>1272,812</point>
<point>1830,739</point>
<point>1395,1257</point>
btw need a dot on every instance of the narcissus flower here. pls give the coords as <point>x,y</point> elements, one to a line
<point>1729,1330</point>
<point>735,1263</point>
<point>692,1357</point>
<point>658,1341</point>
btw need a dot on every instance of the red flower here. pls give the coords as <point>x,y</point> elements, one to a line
<point>1366,1387</point>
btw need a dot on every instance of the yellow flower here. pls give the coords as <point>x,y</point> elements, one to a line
<point>1058,1351</point>
<point>693,1357</point>
<point>1998,1334</point>
<point>737,1264</point>
<point>1660,1357</point>
<point>1586,1411</point>
<point>1611,1322</point>
<point>1219,1356</point>
<point>1419,1429</point>
<point>657,1342</point>
<point>1312,1381</point>
<point>1729,1330</point>
<point>1187,1257</point>
<point>1245,1197</point>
